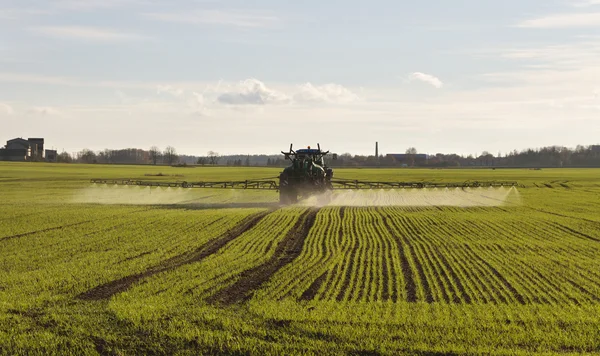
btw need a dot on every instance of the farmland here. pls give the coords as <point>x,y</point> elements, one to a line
<point>129,270</point>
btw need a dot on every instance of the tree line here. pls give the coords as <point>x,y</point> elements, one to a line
<point>551,156</point>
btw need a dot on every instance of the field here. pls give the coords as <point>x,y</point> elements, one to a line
<point>88,270</point>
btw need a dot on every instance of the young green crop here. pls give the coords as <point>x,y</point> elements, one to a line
<point>521,278</point>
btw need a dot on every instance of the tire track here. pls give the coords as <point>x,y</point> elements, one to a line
<point>286,251</point>
<point>574,232</point>
<point>107,290</point>
<point>5,238</point>
<point>44,230</point>
<point>312,291</point>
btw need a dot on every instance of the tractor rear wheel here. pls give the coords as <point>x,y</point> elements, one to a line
<point>287,193</point>
<point>288,196</point>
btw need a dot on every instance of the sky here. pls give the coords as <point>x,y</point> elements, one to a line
<point>249,77</point>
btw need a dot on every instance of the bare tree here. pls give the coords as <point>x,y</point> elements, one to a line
<point>213,157</point>
<point>411,152</point>
<point>64,157</point>
<point>87,156</point>
<point>170,155</point>
<point>202,160</point>
<point>154,154</point>
<point>105,156</point>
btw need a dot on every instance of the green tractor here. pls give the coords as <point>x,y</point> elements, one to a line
<point>307,175</point>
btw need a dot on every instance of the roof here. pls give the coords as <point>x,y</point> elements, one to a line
<point>18,139</point>
<point>309,151</point>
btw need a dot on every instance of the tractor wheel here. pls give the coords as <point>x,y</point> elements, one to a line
<point>287,193</point>
<point>287,196</point>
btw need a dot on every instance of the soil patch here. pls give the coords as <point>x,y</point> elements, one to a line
<point>311,292</point>
<point>107,290</point>
<point>286,251</point>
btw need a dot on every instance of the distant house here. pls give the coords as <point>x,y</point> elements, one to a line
<point>20,149</point>
<point>51,155</point>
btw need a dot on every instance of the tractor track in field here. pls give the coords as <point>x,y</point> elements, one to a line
<point>313,289</point>
<point>287,250</point>
<point>44,230</point>
<point>107,290</point>
<point>62,227</point>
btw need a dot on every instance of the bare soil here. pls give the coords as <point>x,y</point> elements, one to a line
<point>287,250</point>
<point>107,290</point>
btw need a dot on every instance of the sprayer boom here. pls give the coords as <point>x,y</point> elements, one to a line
<point>269,184</point>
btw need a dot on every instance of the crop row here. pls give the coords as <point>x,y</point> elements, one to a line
<point>203,279</point>
<point>372,254</point>
<point>73,259</point>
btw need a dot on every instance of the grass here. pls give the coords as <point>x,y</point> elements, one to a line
<point>221,271</point>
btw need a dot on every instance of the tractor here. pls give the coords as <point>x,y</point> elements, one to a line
<point>307,175</point>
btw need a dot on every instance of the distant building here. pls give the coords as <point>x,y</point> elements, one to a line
<point>595,148</point>
<point>51,155</point>
<point>13,154</point>
<point>32,149</point>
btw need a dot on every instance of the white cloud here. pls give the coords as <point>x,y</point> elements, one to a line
<point>169,90</point>
<point>252,92</point>
<point>44,110</point>
<point>37,79</point>
<point>584,19</point>
<point>586,3</point>
<point>87,33</point>
<point>235,18</point>
<point>426,78</point>
<point>327,93</point>
<point>197,103</point>
<point>6,109</point>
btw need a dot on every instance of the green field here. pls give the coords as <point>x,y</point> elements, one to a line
<point>90,269</point>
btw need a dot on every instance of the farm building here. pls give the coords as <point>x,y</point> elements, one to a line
<point>20,149</point>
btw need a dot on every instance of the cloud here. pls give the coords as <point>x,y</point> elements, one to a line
<point>252,92</point>
<point>328,93</point>
<point>586,3</point>
<point>426,78</point>
<point>37,79</point>
<point>6,109</point>
<point>169,90</point>
<point>585,19</point>
<point>235,18</point>
<point>87,33</point>
<point>44,110</point>
<point>197,104</point>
